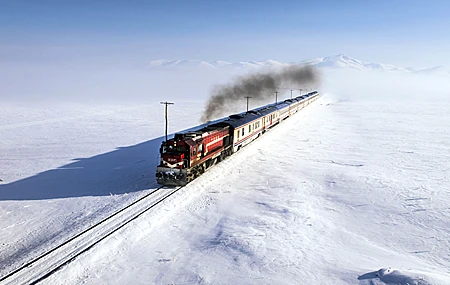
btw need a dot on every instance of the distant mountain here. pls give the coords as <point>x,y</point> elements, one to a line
<point>216,64</point>
<point>220,63</point>
<point>343,61</point>
<point>437,70</point>
<point>181,63</point>
<point>334,62</point>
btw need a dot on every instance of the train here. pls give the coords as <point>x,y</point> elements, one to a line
<point>189,154</point>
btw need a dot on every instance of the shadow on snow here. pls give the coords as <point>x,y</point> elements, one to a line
<point>124,170</point>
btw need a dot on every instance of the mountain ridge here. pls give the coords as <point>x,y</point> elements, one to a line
<point>339,61</point>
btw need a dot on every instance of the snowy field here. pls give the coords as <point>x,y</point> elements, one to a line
<point>65,166</point>
<point>352,190</point>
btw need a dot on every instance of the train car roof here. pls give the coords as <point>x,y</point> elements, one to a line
<point>238,120</point>
<point>282,105</point>
<point>265,110</point>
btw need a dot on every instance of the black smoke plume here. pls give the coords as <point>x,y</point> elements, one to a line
<point>260,86</point>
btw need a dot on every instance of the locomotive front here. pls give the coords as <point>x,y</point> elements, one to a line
<point>172,169</point>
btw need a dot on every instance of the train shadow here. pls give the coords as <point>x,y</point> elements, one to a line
<point>124,170</point>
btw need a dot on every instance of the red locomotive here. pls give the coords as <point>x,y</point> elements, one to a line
<point>189,154</point>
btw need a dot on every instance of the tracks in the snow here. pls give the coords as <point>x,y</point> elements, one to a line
<point>41,267</point>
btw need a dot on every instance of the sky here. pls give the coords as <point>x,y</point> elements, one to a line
<point>111,33</point>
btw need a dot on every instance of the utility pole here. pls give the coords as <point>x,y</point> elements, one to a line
<point>276,97</point>
<point>301,91</point>
<point>291,93</point>
<point>248,97</point>
<point>167,118</point>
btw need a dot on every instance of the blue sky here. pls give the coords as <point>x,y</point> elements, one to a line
<point>406,33</point>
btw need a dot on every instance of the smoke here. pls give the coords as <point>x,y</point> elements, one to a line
<point>260,86</point>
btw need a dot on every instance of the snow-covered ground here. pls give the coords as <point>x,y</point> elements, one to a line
<point>65,166</point>
<point>352,190</point>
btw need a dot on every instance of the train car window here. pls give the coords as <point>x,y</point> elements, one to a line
<point>242,131</point>
<point>194,151</point>
<point>249,128</point>
<point>237,134</point>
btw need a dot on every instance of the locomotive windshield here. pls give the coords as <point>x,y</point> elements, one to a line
<point>172,148</point>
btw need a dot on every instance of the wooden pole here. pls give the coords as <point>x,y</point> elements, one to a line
<point>167,116</point>
<point>248,97</point>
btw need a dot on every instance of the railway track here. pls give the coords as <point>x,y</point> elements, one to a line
<point>43,266</point>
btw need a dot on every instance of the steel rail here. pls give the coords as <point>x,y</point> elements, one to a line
<point>92,243</point>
